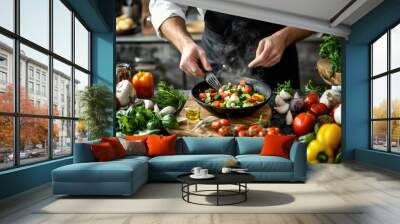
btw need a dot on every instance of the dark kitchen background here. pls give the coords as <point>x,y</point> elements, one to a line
<point>139,46</point>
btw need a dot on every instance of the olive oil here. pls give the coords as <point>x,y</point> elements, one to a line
<point>192,114</point>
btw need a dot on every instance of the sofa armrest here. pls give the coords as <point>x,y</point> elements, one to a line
<point>298,155</point>
<point>83,152</point>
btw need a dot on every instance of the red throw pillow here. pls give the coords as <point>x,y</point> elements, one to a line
<point>158,145</point>
<point>103,151</point>
<point>136,137</point>
<point>277,145</point>
<point>116,145</point>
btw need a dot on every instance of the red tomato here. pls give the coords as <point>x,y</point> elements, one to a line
<point>254,129</point>
<point>224,131</point>
<point>261,133</point>
<point>318,109</point>
<point>303,123</point>
<point>202,96</point>
<point>311,98</point>
<point>215,125</point>
<point>240,127</point>
<point>247,89</point>
<point>215,103</point>
<point>143,84</point>
<point>213,95</point>
<point>275,130</point>
<point>224,122</point>
<point>243,133</point>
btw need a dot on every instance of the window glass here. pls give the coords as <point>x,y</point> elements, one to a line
<point>7,14</point>
<point>395,47</point>
<point>62,137</point>
<point>379,135</point>
<point>34,21</point>
<point>81,45</point>
<point>395,136</point>
<point>39,62</point>
<point>6,75</point>
<point>81,131</point>
<point>62,29</point>
<point>395,95</point>
<point>379,56</point>
<point>6,142</point>
<point>33,139</point>
<point>81,82</point>
<point>379,97</point>
<point>62,91</point>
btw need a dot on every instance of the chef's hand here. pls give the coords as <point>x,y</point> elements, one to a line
<point>269,51</point>
<point>194,60</point>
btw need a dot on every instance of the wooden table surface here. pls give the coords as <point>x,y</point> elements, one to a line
<point>186,129</point>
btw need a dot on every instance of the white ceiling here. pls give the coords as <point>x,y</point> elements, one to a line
<point>325,16</point>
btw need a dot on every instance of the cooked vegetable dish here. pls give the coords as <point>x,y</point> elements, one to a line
<point>232,96</point>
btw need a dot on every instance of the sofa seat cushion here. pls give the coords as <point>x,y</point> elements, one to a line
<point>113,171</point>
<point>185,163</point>
<point>257,163</point>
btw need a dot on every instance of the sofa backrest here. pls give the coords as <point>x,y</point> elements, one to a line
<point>206,145</point>
<point>83,152</point>
<point>249,145</point>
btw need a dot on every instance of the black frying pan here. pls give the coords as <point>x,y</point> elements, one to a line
<point>259,86</point>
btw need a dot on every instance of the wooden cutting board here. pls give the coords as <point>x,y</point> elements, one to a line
<point>186,129</point>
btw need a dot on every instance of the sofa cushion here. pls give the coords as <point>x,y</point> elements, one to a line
<point>112,171</point>
<point>134,147</point>
<point>249,145</point>
<point>185,163</point>
<point>103,152</point>
<point>277,145</point>
<point>208,145</point>
<point>159,145</point>
<point>116,145</point>
<point>257,163</point>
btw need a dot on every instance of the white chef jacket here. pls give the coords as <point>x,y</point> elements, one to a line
<point>161,10</point>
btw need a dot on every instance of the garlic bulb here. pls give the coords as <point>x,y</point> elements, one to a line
<point>148,104</point>
<point>285,95</point>
<point>296,96</point>
<point>289,118</point>
<point>279,101</point>
<point>282,109</point>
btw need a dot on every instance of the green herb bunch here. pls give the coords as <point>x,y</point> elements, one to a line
<point>167,95</point>
<point>331,48</point>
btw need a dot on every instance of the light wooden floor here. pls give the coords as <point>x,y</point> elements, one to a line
<point>377,188</point>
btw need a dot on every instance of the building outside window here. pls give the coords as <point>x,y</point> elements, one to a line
<point>385,94</point>
<point>30,87</point>
<point>56,126</point>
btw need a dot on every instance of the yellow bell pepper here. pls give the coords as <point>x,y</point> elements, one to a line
<point>318,152</point>
<point>330,135</point>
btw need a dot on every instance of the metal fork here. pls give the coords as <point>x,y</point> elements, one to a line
<point>212,80</point>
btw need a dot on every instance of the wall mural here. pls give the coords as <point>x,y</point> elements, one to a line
<point>240,107</point>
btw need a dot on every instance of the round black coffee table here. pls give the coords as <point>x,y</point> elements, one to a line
<point>238,179</point>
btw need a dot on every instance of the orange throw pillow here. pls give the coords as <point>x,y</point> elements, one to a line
<point>136,137</point>
<point>277,145</point>
<point>116,145</point>
<point>161,145</point>
<point>103,152</point>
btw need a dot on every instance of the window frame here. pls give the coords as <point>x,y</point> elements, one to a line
<point>388,74</point>
<point>16,114</point>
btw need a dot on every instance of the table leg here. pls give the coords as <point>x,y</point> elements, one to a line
<point>245,193</point>
<point>217,194</point>
<point>195,188</point>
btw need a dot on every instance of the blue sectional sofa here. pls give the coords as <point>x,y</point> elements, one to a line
<point>125,176</point>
